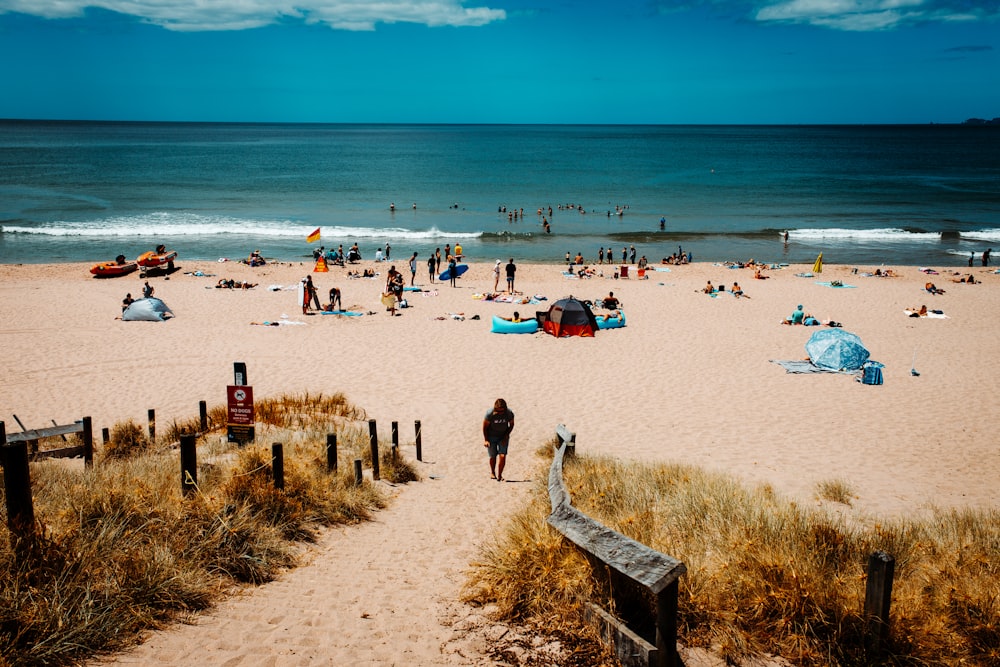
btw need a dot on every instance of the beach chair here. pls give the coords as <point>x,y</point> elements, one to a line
<point>640,274</point>
<point>624,271</point>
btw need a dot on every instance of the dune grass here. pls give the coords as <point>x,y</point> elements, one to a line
<point>121,551</point>
<point>765,575</point>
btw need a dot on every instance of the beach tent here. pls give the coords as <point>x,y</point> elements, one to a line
<point>569,317</point>
<point>837,350</point>
<point>149,309</point>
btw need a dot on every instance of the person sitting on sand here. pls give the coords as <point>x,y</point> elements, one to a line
<point>757,275</point>
<point>933,289</point>
<point>738,291</point>
<point>796,317</point>
<point>610,302</point>
<point>127,301</point>
<point>708,289</point>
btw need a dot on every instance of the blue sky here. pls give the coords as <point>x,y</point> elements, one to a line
<point>502,61</point>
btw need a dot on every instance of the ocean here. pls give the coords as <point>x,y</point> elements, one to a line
<point>861,195</point>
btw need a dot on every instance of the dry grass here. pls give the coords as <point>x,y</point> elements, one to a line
<point>836,491</point>
<point>764,574</point>
<point>121,550</point>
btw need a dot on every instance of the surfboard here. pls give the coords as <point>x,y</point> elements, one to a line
<point>459,270</point>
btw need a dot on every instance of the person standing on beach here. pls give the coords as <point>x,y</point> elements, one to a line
<point>388,250</point>
<point>431,267</point>
<point>413,269</point>
<point>437,260</point>
<point>452,270</point>
<point>497,425</point>
<point>510,270</point>
<point>986,256</point>
<point>496,276</point>
<point>147,290</point>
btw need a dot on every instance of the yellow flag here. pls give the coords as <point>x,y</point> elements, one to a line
<point>818,266</point>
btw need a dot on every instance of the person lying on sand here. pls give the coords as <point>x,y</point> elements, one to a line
<point>967,279</point>
<point>933,289</point>
<point>234,284</point>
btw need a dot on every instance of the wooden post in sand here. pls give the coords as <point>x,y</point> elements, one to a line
<point>395,439</point>
<point>105,435</point>
<point>278,465</point>
<point>420,452</point>
<point>203,415</point>
<point>331,452</point>
<point>87,435</point>
<point>17,489</point>
<point>151,417</point>
<point>359,475</point>
<point>373,442</point>
<point>189,464</point>
<point>878,597</point>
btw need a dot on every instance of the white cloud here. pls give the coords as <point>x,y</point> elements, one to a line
<point>186,15</point>
<point>868,15</point>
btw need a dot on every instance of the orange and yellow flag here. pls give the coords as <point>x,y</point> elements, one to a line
<point>313,237</point>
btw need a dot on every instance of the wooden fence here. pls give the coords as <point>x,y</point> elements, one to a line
<point>643,580</point>
<point>633,566</point>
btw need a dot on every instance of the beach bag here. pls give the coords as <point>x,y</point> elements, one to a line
<point>871,372</point>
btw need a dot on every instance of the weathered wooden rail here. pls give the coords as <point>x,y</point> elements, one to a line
<point>639,576</point>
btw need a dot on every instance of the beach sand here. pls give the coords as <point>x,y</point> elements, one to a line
<point>687,380</point>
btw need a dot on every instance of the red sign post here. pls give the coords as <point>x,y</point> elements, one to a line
<point>240,422</point>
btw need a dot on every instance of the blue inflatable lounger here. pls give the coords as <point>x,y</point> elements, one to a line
<point>502,326</point>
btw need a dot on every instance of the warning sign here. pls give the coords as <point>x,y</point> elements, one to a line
<point>321,266</point>
<point>240,422</point>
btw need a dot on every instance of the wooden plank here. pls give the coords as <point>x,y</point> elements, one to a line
<point>64,453</point>
<point>38,433</point>
<point>635,560</point>
<point>648,567</point>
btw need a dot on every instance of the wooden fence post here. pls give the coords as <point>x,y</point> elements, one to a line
<point>331,452</point>
<point>203,415</point>
<point>189,464</point>
<point>420,452</point>
<point>359,475</point>
<point>17,489</point>
<point>278,465</point>
<point>373,442</point>
<point>151,417</point>
<point>88,442</point>
<point>878,598</point>
<point>666,626</point>
<point>395,435</point>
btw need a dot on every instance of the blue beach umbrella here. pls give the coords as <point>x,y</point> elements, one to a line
<point>836,349</point>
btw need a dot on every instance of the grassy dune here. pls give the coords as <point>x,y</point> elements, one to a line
<point>120,551</point>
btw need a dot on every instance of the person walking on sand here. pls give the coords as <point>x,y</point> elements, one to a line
<point>510,269</point>
<point>497,425</point>
<point>431,267</point>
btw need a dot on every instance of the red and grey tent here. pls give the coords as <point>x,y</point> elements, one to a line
<point>568,317</point>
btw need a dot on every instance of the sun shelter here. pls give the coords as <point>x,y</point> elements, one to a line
<point>837,350</point>
<point>149,309</point>
<point>568,317</point>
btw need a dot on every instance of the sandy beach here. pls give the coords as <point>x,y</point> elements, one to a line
<point>689,379</point>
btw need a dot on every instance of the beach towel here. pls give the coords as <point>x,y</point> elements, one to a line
<point>804,275</point>
<point>831,284</point>
<point>804,367</point>
<point>347,313</point>
<point>932,314</point>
